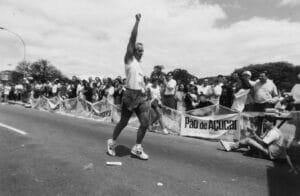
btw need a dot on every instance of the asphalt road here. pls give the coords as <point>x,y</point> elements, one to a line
<point>50,160</point>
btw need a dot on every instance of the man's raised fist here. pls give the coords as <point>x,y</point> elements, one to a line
<point>138,17</point>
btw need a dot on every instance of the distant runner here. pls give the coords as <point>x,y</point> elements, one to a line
<point>135,98</point>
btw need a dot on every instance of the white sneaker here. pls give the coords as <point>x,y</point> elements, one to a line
<point>165,131</point>
<point>139,152</point>
<point>226,145</point>
<point>111,145</point>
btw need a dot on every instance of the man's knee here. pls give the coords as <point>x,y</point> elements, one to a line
<point>145,122</point>
<point>245,141</point>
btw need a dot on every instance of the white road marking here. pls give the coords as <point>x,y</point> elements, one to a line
<point>13,129</point>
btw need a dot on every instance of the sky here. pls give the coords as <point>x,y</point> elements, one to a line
<point>205,37</point>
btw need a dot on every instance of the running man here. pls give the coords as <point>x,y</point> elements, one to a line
<point>134,98</point>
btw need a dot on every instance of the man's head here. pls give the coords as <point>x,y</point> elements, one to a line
<point>202,97</point>
<point>235,76</point>
<point>263,77</point>
<point>169,76</point>
<point>138,51</point>
<point>158,68</point>
<point>181,87</point>
<point>155,83</point>
<point>246,74</point>
<point>220,78</point>
<point>104,81</point>
<point>205,82</point>
<point>269,122</point>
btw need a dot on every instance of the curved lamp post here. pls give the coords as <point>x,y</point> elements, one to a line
<point>19,37</point>
<point>22,41</point>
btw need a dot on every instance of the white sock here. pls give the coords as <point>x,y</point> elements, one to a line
<point>138,145</point>
<point>113,141</point>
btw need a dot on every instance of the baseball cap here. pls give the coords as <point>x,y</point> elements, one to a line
<point>247,73</point>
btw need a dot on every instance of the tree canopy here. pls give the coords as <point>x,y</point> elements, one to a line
<point>283,74</point>
<point>41,70</point>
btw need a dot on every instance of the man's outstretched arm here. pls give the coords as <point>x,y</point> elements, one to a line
<point>132,40</point>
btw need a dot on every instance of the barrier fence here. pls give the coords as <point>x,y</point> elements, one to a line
<point>212,122</point>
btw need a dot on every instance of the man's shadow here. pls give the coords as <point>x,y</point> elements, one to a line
<point>122,151</point>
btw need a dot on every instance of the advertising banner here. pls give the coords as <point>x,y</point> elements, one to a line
<point>211,127</point>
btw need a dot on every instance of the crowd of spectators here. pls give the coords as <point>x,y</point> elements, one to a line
<point>261,94</point>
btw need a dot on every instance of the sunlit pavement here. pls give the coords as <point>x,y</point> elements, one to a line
<point>62,155</point>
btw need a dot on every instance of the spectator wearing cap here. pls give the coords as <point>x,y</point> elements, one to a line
<point>170,90</point>
<point>246,76</point>
<point>295,92</point>
<point>265,93</point>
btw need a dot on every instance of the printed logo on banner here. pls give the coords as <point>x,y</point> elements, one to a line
<point>211,127</point>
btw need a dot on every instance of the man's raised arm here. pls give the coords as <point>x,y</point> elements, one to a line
<point>132,40</point>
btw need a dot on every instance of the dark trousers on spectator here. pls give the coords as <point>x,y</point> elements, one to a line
<point>261,107</point>
<point>170,101</point>
<point>297,106</point>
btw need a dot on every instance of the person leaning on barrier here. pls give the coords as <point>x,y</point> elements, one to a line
<point>265,93</point>
<point>272,143</point>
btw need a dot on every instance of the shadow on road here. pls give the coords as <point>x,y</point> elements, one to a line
<point>281,181</point>
<point>122,151</point>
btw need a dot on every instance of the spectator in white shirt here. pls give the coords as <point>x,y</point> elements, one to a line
<point>204,89</point>
<point>265,93</point>
<point>170,90</point>
<point>19,90</point>
<point>217,90</point>
<point>7,89</point>
<point>109,91</point>
<point>295,92</point>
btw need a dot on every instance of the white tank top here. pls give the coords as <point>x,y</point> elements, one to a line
<point>134,75</point>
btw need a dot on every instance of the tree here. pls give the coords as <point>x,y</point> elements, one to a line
<point>23,68</point>
<point>41,70</point>
<point>183,75</point>
<point>283,74</point>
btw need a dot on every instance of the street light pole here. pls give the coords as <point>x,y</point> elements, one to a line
<point>20,38</point>
<point>22,41</point>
